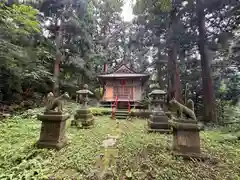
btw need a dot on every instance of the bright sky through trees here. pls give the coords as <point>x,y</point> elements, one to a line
<point>127,12</point>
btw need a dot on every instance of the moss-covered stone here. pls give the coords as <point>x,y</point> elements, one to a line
<point>186,138</point>
<point>53,130</point>
<point>83,118</point>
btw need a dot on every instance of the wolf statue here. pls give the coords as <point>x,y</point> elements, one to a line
<point>56,103</point>
<point>182,109</point>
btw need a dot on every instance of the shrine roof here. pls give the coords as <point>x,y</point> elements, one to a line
<point>123,71</point>
<point>84,91</point>
<point>123,75</point>
<point>157,92</point>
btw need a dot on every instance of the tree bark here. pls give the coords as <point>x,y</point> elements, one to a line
<point>208,94</point>
<point>58,37</point>
<point>160,75</point>
<point>174,84</point>
<point>160,72</point>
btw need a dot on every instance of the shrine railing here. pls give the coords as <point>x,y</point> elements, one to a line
<point>114,107</point>
<point>129,106</point>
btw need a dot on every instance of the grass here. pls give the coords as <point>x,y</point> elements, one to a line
<point>142,155</point>
<point>19,158</point>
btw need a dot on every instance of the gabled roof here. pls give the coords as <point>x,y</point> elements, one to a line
<point>123,71</point>
<point>122,75</point>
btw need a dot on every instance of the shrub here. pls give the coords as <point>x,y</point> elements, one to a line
<point>140,114</point>
<point>98,111</point>
<point>232,118</point>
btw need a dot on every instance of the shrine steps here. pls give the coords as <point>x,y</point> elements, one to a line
<point>105,105</point>
<point>121,105</point>
<point>121,114</point>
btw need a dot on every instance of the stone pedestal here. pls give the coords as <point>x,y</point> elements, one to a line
<point>109,156</point>
<point>84,118</point>
<point>53,130</point>
<point>158,122</point>
<point>186,139</point>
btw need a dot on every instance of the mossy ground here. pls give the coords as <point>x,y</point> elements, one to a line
<point>142,155</point>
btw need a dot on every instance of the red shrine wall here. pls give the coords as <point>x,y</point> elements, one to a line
<point>124,89</point>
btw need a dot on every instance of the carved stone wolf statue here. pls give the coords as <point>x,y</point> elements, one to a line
<point>57,102</point>
<point>178,107</point>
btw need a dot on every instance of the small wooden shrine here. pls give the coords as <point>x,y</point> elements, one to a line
<point>124,84</point>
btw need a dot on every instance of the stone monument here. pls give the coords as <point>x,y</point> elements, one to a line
<point>186,139</point>
<point>158,121</point>
<point>83,116</point>
<point>53,123</point>
<point>109,156</point>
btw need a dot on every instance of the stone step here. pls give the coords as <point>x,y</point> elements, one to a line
<point>125,110</point>
<point>124,116</point>
<point>121,117</point>
<point>122,113</point>
<point>105,105</point>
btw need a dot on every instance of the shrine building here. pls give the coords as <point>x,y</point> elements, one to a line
<point>124,84</point>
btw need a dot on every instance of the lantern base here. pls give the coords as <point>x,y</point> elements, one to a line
<point>83,118</point>
<point>191,156</point>
<point>158,122</point>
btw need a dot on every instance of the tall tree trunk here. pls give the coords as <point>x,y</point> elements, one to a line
<point>160,72</point>
<point>174,84</point>
<point>178,94</point>
<point>159,66</point>
<point>105,48</point>
<point>57,59</point>
<point>208,94</point>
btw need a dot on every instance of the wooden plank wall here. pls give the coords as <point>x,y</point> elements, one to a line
<point>136,84</point>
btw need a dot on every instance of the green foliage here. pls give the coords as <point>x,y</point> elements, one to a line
<point>153,159</point>
<point>22,58</point>
<point>19,19</point>
<point>140,114</point>
<point>161,5</point>
<point>93,33</point>
<point>233,88</point>
<point>18,22</point>
<point>100,111</point>
<point>141,155</point>
<point>75,160</point>
<point>229,88</point>
<point>157,25</point>
<point>232,118</point>
<point>98,92</point>
<point>165,5</point>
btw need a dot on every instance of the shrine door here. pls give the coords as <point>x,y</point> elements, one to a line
<point>123,92</point>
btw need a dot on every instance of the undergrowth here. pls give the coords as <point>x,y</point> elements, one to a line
<point>142,155</point>
<point>148,156</point>
<point>20,159</point>
<point>231,128</point>
<point>70,108</point>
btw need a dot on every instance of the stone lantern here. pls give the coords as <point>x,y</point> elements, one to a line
<point>158,99</point>
<point>158,121</point>
<point>83,115</point>
<point>82,96</point>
